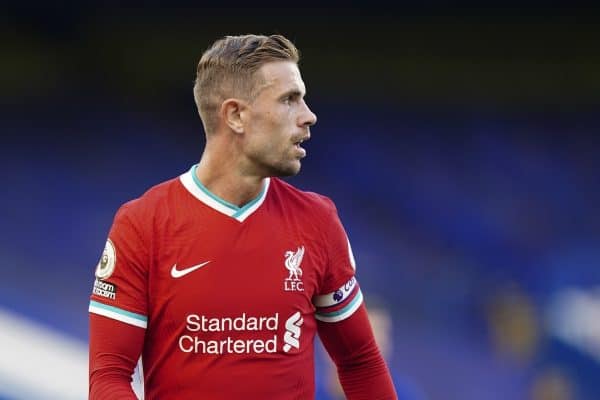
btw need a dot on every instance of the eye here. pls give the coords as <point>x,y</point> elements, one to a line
<point>291,98</point>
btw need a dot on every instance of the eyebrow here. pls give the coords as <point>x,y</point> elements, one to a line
<point>293,93</point>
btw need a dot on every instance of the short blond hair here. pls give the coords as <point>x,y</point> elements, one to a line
<point>227,69</point>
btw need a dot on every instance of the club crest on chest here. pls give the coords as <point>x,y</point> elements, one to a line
<point>293,260</point>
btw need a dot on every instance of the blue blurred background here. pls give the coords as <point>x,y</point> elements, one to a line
<point>460,145</point>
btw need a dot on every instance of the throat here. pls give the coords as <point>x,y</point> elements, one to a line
<point>234,191</point>
<point>240,195</point>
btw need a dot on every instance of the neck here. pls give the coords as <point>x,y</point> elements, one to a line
<point>222,176</point>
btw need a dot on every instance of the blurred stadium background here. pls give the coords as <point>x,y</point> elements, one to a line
<point>460,145</point>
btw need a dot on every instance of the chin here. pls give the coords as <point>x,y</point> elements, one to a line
<point>286,170</point>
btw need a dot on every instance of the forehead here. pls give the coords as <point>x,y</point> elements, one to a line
<point>281,76</point>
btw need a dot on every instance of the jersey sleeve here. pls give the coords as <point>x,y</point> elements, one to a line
<point>114,349</point>
<point>362,370</point>
<point>118,309</point>
<point>339,296</point>
<point>119,291</point>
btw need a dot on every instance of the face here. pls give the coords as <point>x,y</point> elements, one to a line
<point>276,122</point>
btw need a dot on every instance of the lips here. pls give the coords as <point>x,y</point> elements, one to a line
<point>302,139</point>
<point>301,151</point>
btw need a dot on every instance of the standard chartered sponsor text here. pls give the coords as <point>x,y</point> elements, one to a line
<point>230,334</point>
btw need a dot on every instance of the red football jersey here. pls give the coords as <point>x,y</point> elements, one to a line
<point>228,296</point>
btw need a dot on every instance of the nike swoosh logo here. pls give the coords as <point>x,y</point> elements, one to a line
<point>178,273</point>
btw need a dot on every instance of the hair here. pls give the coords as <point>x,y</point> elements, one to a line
<point>228,69</point>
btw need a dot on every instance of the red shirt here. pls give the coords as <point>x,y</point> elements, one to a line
<point>225,300</point>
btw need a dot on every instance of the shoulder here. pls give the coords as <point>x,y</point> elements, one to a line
<point>313,202</point>
<point>148,204</point>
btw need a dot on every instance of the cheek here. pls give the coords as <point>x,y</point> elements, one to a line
<point>269,131</point>
<point>264,124</point>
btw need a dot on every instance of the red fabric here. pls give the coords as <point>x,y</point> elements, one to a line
<point>115,348</point>
<point>188,349</point>
<point>169,228</point>
<point>362,370</point>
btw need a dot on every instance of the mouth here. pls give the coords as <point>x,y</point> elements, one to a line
<point>297,146</point>
<point>300,140</point>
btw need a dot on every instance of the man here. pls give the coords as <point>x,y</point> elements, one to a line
<point>220,278</point>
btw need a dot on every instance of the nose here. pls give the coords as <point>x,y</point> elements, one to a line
<point>307,117</point>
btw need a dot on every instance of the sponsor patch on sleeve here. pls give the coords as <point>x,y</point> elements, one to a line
<point>104,289</point>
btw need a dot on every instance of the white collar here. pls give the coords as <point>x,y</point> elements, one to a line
<point>191,182</point>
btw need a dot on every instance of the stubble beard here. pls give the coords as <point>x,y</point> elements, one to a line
<point>282,170</point>
<point>284,167</point>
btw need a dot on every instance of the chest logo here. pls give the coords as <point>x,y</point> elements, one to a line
<point>178,273</point>
<point>293,283</point>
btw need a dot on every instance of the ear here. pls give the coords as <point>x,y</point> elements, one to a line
<point>231,113</point>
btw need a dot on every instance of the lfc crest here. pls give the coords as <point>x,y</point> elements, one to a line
<point>293,283</point>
